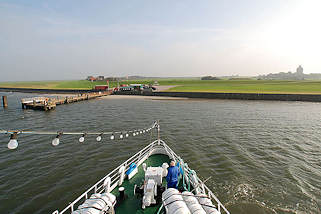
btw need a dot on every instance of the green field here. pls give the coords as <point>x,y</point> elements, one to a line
<point>73,84</point>
<point>190,85</point>
<point>251,86</point>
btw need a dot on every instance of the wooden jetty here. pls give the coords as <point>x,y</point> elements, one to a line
<point>49,103</point>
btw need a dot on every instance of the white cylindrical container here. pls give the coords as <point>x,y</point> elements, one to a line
<point>174,203</point>
<point>169,192</point>
<point>192,203</point>
<point>207,204</point>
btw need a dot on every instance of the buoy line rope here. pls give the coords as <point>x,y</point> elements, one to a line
<point>13,143</point>
<point>69,133</point>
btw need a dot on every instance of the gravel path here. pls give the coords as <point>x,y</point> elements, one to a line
<point>142,97</point>
<point>164,87</point>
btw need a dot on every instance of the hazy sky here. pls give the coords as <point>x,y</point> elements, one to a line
<point>71,39</point>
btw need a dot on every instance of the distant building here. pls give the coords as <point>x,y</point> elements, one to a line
<point>100,78</point>
<point>91,78</point>
<point>299,70</point>
<point>111,78</point>
<point>298,75</point>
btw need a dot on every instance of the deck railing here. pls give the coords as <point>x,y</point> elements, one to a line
<point>138,158</point>
<point>114,175</point>
<point>220,206</point>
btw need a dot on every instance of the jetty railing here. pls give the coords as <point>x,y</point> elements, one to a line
<point>138,158</point>
<point>32,99</point>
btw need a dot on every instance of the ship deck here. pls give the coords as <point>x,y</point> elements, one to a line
<point>153,155</point>
<point>133,203</point>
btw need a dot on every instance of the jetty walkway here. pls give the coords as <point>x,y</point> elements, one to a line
<point>49,103</point>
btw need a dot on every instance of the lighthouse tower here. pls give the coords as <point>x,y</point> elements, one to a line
<point>299,70</point>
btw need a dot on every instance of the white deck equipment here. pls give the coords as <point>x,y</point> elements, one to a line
<point>153,178</point>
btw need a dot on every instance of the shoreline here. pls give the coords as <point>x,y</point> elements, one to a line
<point>232,96</point>
<point>46,91</point>
<point>179,95</point>
<point>112,97</point>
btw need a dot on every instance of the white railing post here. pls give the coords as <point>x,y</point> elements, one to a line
<point>107,184</point>
<point>139,156</point>
<point>121,175</point>
<point>150,149</point>
<point>72,207</point>
<point>158,132</point>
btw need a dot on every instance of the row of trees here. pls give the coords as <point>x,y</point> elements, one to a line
<point>210,78</point>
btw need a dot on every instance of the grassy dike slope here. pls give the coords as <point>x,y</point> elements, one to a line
<point>190,85</point>
<point>73,84</point>
<point>251,86</point>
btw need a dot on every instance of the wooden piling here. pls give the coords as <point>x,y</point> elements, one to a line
<point>4,101</point>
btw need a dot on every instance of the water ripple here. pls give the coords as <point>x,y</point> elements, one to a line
<point>263,156</point>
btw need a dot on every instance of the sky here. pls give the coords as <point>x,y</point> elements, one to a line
<point>72,39</point>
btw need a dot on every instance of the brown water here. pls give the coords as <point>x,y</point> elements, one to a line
<point>263,156</point>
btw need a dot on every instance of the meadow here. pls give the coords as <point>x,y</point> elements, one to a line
<point>190,85</point>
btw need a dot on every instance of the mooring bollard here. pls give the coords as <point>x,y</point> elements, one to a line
<point>4,101</point>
